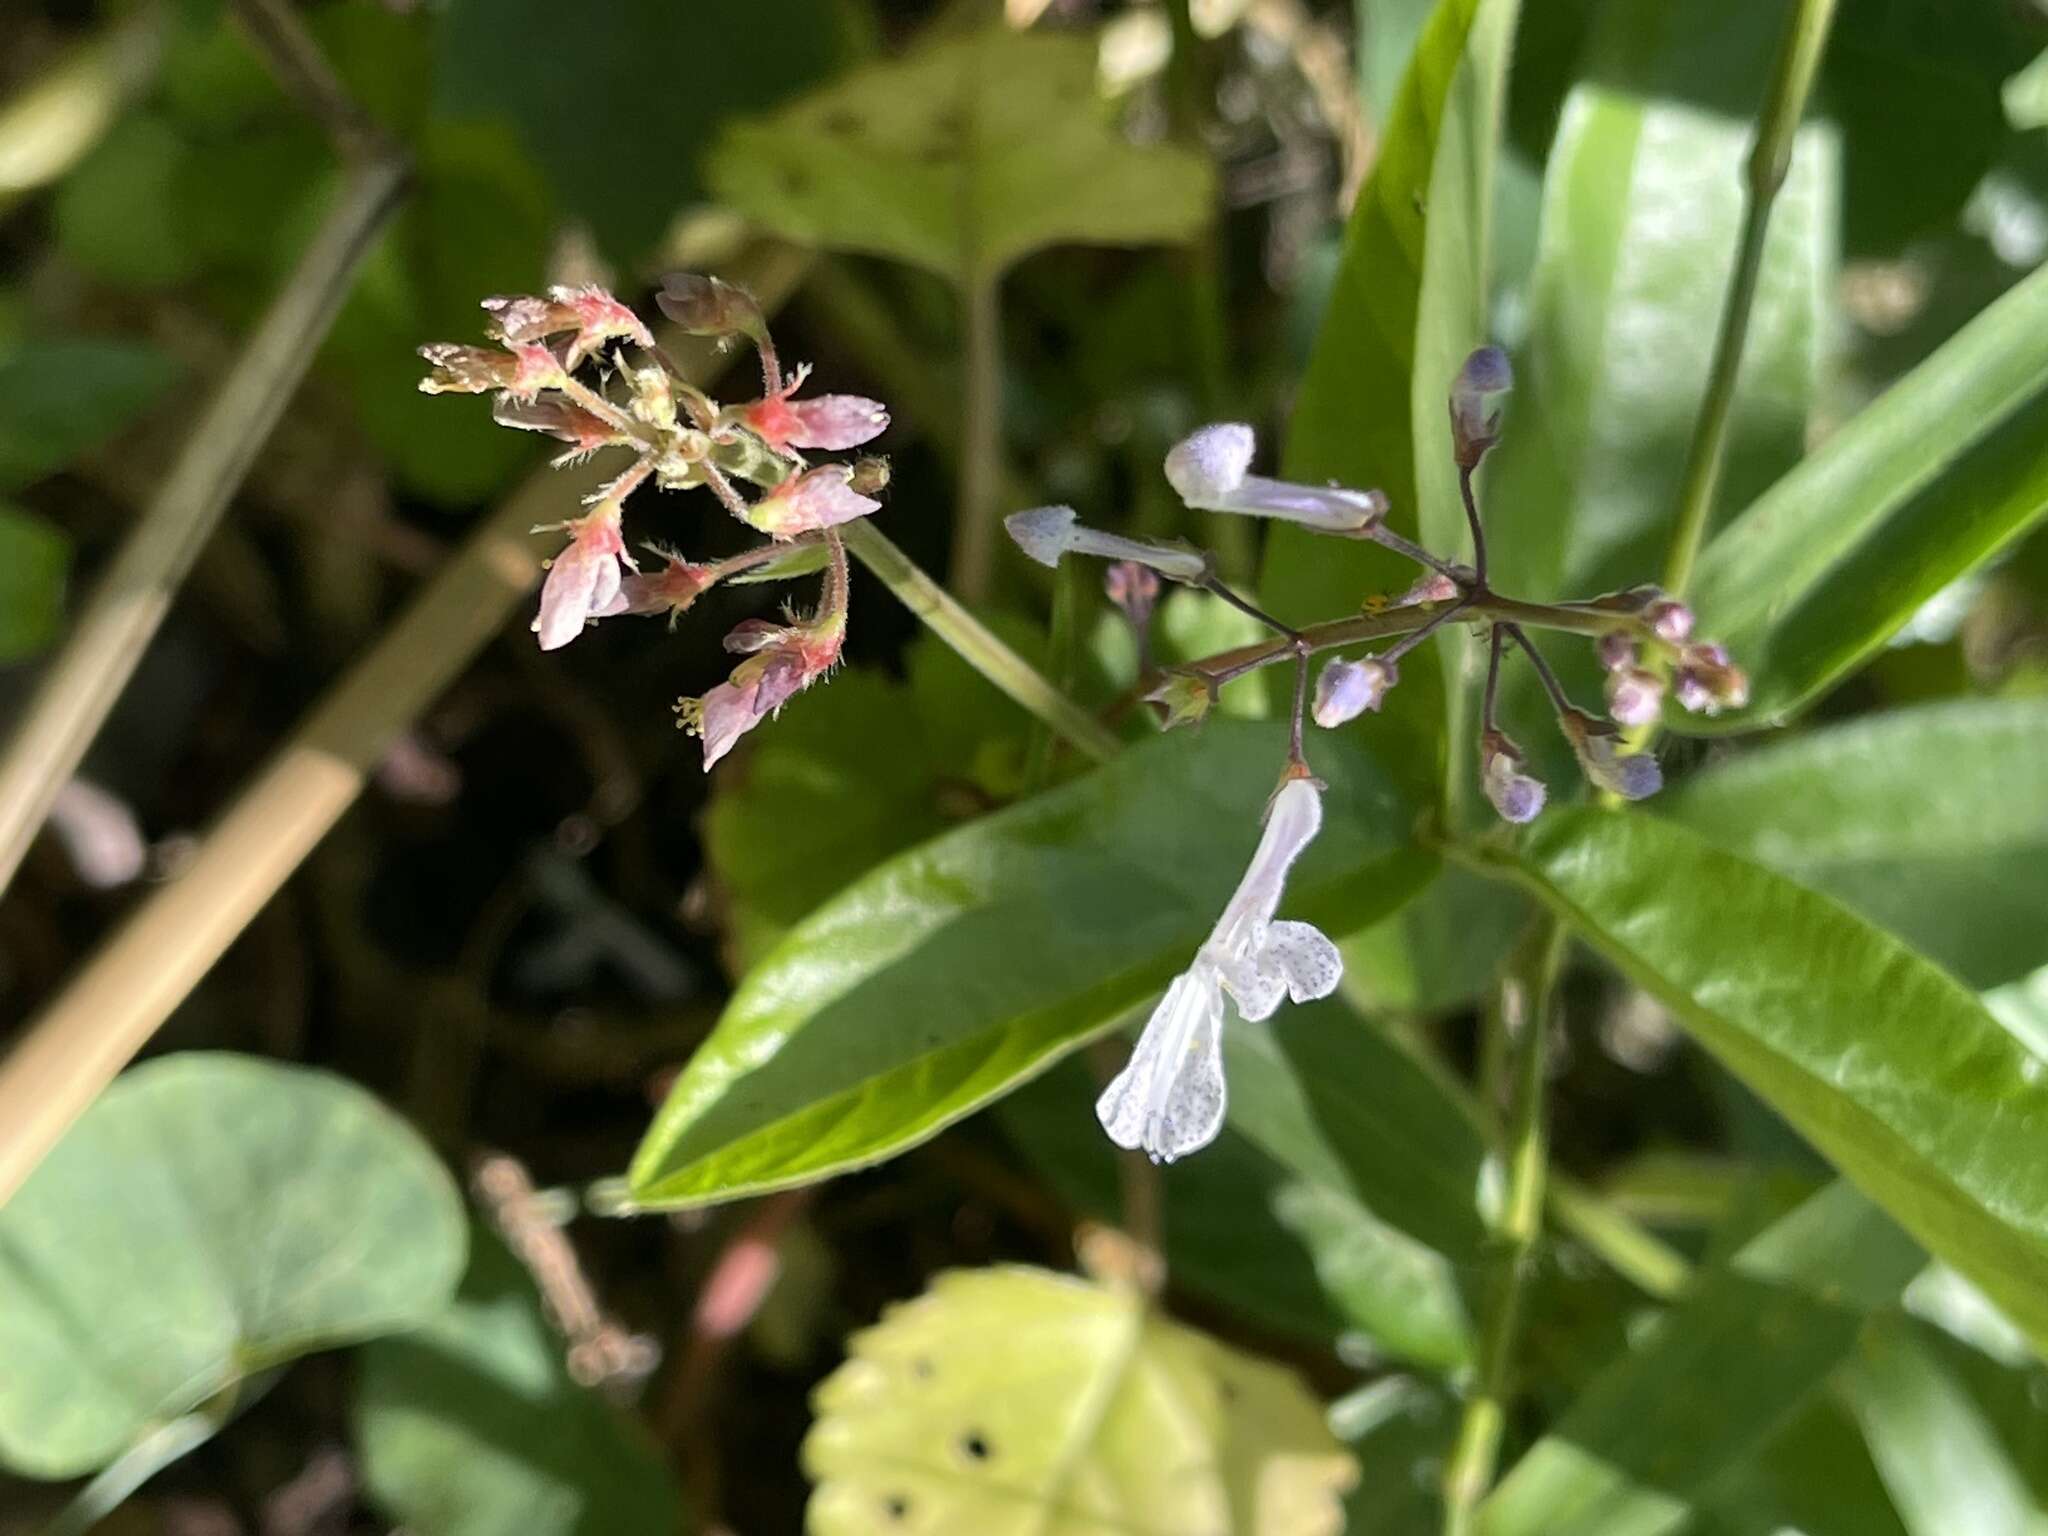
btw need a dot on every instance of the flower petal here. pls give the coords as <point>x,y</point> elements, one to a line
<point>1169,1100</point>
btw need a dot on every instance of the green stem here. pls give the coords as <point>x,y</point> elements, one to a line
<point>1806,30</point>
<point>981,441</point>
<point>944,615</point>
<point>1523,1006</point>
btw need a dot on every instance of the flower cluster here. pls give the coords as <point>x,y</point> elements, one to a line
<point>1170,1099</point>
<point>679,438</point>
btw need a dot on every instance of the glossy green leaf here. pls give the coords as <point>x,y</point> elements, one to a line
<point>1886,1065</point>
<point>1942,1461</point>
<point>1930,821</point>
<point>1944,469</point>
<point>471,1425</point>
<point>34,561</point>
<point>60,399</point>
<point>961,157</point>
<point>957,970</point>
<point>1011,1401</point>
<point>1713,1379</point>
<point>1642,209</point>
<point>2022,1007</point>
<point>211,1216</point>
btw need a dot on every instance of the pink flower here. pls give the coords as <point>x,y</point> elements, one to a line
<point>521,370</point>
<point>672,589</point>
<point>818,498</point>
<point>830,422</point>
<point>782,661</point>
<point>593,314</point>
<point>584,579</point>
<point>559,418</point>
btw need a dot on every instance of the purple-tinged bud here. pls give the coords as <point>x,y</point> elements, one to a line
<point>1475,420</point>
<point>1597,745</point>
<point>1347,689</point>
<point>1706,682</point>
<point>1134,588</point>
<point>710,306</point>
<point>1616,650</point>
<point>1635,696</point>
<point>1670,619</point>
<point>1517,796</point>
<point>1430,587</point>
<point>522,370</point>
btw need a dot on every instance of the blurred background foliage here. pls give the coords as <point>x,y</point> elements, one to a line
<point>542,907</point>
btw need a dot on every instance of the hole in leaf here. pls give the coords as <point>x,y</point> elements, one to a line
<point>896,1506</point>
<point>976,1445</point>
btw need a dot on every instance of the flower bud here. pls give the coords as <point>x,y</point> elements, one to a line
<point>1706,682</point>
<point>1134,588</point>
<point>1517,796</point>
<point>559,418</point>
<point>1347,689</point>
<point>593,314</point>
<point>1430,587</point>
<point>1208,470</point>
<point>1670,619</point>
<point>1631,775</point>
<point>710,306</point>
<point>522,371</point>
<point>1210,463</point>
<point>1475,420</point>
<point>1616,650</point>
<point>1635,696</point>
<point>819,498</point>
<point>1047,533</point>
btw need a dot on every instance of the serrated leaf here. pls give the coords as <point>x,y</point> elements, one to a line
<point>60,399</point>
<point>1944,469</point>
<point>471,1425</point>
<point>34,562</point>
<point>211,1216</point>
<point>1885,1064</point>
<point>1009,1401</point>
<point>952,973</point>
<point>1931,821</point>
<point>1751,1340</point>
<point>961,157</point>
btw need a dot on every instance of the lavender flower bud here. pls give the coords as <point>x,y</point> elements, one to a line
<point>1670,619</point>
<point>1517,796</point>
<point>1635,696</point>
<point>710,306</point>
<point>1475,421</point>
<point>1616,650</point>
<point>1347,689</point>
<point>1707,682</point>
<point>1631,775</point>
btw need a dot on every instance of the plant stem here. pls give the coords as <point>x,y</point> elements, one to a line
<point>1770,157</point>
<point>109,1010</point>
<point>981,437</point>
<point>1522,1006</point>
<point>82,684</point>
<point>944,615</point>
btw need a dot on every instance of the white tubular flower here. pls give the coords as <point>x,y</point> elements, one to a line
<point>1208,470</point>
<point>1047,533</point>
<point>1169,1100</point>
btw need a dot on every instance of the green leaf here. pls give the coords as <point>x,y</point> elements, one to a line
<point>954,972</point>
<point>615,101</point>
<point>1930,821</point>
<point>1642,209</point>
<point>1889,1068</point>
<point>1942,1461</point>
<point>1944,469</point>
<point>1713,1380</point>
<point>2022,1007</point>
<point>962,157</point>
<point>117,215</point>
<point>471,1426</point>
<point>1009,1401</point>
<point>61,399</point>
<point>34,561</point>
<point>210,1217</point>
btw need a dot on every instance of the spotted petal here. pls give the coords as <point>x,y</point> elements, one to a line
<point>1169,1100</point>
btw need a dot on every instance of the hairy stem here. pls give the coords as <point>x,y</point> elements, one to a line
<point>1806,30</point>
<point>976,645</point>
<point>1521,1006</point>
<point>981,438</point>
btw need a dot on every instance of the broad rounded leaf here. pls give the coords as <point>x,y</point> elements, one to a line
<point>1930,821</point>
<point>210,1217</point>
<point>950,974</point>
<point>1011,1401</point>
<point>471,1426</point>
<point>962,157</point>
<point>1888,1066</point>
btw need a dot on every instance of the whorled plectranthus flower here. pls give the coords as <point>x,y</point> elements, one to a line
<point>1209,469</point>
<point>827,422</point>
<point>1169,1100</point>
<point>1347,689</point>
<point>592,314</point>
<point>1518,796</point>
<point>1598,747</point>
<point>1046,534</point>
<point>782,661</point>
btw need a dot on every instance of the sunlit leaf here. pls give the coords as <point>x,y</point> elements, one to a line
<point>959,969</point>
<point>211,1216</point>
<point>1010,1401</point>
<point>961,157</point>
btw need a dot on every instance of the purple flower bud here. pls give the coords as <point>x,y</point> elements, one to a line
<point>1134,588</point>
<point>1475,420</point>
<point>710,306</point>
<point>1631,775</point>
<point>1517,796</point>
<point>1616,650</point>
<point>1707,682</point>
<point>1671,620</point>
<point>1430,587</point>
<point>1347,689</point>
<point>1635,696</point>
